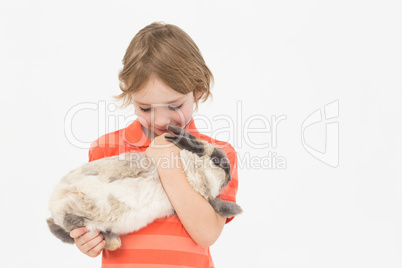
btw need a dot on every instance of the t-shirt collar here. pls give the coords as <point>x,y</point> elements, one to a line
<point>134,136</point>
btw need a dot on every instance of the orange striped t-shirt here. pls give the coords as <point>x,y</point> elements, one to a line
<point>164,242</point>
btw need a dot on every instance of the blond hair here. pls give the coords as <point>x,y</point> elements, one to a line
<point>167,52</point>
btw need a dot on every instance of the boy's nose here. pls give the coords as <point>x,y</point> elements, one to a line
<point>161,118</point>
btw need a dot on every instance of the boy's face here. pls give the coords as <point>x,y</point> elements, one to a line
<point>158,105</point>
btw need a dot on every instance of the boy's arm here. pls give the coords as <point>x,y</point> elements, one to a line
<point>198,217</point>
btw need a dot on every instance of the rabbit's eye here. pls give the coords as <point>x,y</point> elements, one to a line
<point>216,160</point>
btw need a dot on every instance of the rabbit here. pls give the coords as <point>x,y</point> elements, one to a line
<point>122,194</point>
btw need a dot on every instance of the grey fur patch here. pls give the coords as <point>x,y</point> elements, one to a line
<point>113,179</point>
<point>207,189</point>
<point>224,163</point>
<point>225,208</point>
<point>72,221</point>
<point>59,232</point>
<point>126,176</point>
<point>87,204</point>
<point>118,208</point>
<point>186,143</point>
<point>136,165</point>
<point>90,170</point>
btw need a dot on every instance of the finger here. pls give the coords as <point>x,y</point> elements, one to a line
<point>88,246</point>
<point>89,236</point>
<point>95,251</point>
<point>78,232</point>
<point>161,142</point>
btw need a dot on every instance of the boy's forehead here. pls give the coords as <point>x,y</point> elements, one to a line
<point>149,99</point>
<point>155,91</point>
<point>143,101</point>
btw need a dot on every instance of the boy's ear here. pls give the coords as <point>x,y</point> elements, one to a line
<point>197,94</point>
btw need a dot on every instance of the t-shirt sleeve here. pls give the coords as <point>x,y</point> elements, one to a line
<point>95,152</point>
<point>106,146</point>
<point>230,191</point>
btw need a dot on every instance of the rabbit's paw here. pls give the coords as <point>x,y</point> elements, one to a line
<point>113,241</point>
<point>225,208</point>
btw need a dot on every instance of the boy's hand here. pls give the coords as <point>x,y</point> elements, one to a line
<point>89,243</point>
<point>163,153</point>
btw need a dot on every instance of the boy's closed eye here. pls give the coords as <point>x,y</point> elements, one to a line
<point>174,108</point>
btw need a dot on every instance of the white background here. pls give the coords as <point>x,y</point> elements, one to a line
<point>274,58</point>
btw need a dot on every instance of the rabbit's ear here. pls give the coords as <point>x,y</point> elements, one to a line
<point>186,143</point>
<point>180,131</point>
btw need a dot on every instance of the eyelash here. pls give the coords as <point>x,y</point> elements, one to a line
<point>173,108</point>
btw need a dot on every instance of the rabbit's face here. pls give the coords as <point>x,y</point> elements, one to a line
<point>207,174</point>
<point>207,167</point>
<point>218,162</point>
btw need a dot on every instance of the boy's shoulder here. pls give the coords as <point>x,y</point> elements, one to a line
<point>110,139</point>
<point>109,144</point>
<point>224,145</point>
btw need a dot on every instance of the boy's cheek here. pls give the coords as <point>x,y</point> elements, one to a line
<point>145,120</point>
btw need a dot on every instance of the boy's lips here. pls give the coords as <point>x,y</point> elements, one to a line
<point>162,130</point>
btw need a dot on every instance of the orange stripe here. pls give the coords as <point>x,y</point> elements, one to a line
<point>163,242</point>
<point>143,265</point>
<point>169,257</point>
<point>167,226</point>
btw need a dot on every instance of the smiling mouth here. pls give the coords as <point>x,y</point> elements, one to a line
<point>162,130</point>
